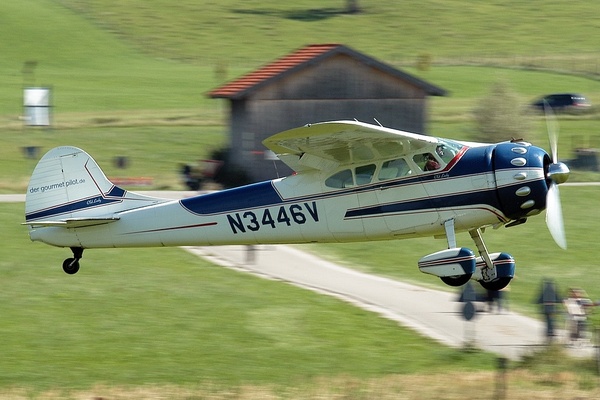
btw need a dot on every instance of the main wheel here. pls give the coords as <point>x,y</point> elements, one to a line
<point>457,280</point>
<point>498,284</point>
<point>71,266</point>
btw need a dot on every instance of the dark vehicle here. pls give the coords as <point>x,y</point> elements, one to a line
<point>563,102</point>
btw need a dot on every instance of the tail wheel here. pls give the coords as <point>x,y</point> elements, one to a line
<point>71,265</point>
<point>457,280</point>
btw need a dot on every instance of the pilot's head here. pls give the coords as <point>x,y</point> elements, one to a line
<point>440,150</point>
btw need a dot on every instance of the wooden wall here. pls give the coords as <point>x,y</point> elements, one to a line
<point>340,87</point>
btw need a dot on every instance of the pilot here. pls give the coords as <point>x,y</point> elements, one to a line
<point>432,164</point>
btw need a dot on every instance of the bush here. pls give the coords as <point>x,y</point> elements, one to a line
<point>500,115</point>
<point>229,174</point>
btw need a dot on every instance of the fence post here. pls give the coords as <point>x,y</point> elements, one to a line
<point>501,379</point>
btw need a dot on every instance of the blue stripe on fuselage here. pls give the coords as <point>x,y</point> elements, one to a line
<point>256,195</point>
<point>79,205</point>
<point>482,197</point>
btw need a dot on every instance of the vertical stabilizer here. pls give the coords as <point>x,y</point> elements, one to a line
<point>68,183</point>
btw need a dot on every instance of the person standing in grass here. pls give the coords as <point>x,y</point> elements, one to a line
<point>548,300</point>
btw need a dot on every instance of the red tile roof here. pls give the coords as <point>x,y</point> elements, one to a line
<point>271,70</point>
<point>240,87</point>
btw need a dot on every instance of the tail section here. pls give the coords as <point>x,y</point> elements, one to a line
<point>69,188</point>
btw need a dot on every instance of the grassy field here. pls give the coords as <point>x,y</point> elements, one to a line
<point>165,317</point>
<point>130,78</point>
<point>227,30</point>
<point>161,323</point>
<point>156,152</point>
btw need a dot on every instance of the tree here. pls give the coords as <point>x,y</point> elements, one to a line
<point>352,7</point>
<point>500,115</point>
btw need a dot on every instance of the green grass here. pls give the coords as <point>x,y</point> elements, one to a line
<point>165,317</point>
<point>130,78</point>
<point>152,151</point>
<point>473,82</point>
<point>229,30</point>
<point>89,69</point>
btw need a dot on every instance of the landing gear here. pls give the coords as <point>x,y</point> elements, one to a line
<point>456,266</point>
<point>496,285</point>
<point>457,280</point>
<point>494,271</point>
<point>71,265</point>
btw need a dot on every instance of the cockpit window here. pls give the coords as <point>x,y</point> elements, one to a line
<point>343,179</point>
<point>427,162</point>
<point>340,180</point>
<point>447,149</point>
<point>433,160</point>
<point>365,174</point>
<point>394,169</point>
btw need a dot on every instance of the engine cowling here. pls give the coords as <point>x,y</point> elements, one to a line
<point>519,169</point>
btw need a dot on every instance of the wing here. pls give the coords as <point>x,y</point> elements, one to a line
<point>327,145</point>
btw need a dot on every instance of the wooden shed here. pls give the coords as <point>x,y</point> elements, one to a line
<point>319,82</point>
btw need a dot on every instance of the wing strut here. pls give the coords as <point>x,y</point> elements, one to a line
<point>483,251</point>
<point>450,233</point>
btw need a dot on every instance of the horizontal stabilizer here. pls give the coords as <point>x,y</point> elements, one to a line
<point>73,222</point>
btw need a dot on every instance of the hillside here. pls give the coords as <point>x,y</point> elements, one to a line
<point>146,65</point>
<point>252,31</point>
<point>106,55</point>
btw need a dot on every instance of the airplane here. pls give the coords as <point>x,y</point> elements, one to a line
<point>353,181</point>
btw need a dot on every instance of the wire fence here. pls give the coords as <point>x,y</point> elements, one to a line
<point>585,64</point>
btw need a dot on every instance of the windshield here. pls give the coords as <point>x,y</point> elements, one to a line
<point>447,149</point>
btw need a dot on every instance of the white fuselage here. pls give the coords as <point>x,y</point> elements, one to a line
<point>296,210</point>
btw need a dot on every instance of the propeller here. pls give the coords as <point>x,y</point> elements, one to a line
<point>556,174</point>
<point>554,218</point>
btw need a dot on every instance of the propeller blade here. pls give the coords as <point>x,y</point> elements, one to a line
<point>554,218</point>
<point>552,127</point>
<point>558,173</point>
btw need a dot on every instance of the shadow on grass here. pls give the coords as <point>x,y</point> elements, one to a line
<point>310,15</point>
